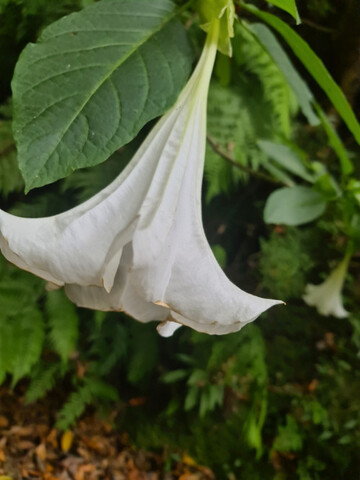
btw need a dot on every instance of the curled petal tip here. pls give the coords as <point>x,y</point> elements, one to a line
<point>167,328</point>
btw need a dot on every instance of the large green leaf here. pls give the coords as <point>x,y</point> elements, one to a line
<point>294,206</point>
<point>92,81</point>
<point>314,65</point>
<point>286,158</point>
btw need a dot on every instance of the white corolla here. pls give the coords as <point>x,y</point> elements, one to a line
<point>327,297</point>
<point>138,245</point>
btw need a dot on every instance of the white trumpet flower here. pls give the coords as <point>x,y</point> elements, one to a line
<point>326,297</point>
<point>138,245</point>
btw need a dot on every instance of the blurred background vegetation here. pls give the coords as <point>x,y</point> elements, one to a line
<point>278,400</point>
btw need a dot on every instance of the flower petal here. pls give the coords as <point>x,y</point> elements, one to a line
<point>173,263</point>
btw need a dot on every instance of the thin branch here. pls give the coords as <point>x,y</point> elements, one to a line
<point>263,176</point>
<point>316,26</point>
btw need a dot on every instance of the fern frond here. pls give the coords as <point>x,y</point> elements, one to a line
<point>144,352</point>
<point>74,407</point>
<point>27,342</point>
<point>225,117</point>
<point>109,345</point>
<point>218,175</point>
<point>91,390</point>
<point>101,390</point>
<point>21,322</point>
<point>63,323</point>
<point>6,341</point>
<point>252,57</point>
<point>43,379</point>
<point>18,290</point>
<point>88,181</point>
<point>237,118</point>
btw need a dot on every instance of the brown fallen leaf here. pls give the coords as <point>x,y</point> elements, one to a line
<point>137,401</point>
<point>25,445</point>
<point>72,463</point>
<point>40,451</point>
<point>34,473</point>
<point>95,443</point>
<point>189,476</point>
<point>135,475</point>
<point>21,431</point>
<point>52,438</point>
<point>2,456</point>
<point>82,470</point>
<point>49,468</point>
<point>49,476</point>
<point>41,430</point>
<point>4,422</point>
<point>84,453</point>
<point>313,385</point>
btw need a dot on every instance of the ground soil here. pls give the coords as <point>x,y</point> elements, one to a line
<point>31,448</point>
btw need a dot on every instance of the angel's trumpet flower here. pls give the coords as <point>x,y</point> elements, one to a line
<point>138,245</point>
<point>327,297</point>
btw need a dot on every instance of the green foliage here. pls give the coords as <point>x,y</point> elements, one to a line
<point>63,323</point>
<point>288,6</point>
<point>336,143</point>
<point>321,8</point>
<point>294,206</point>
<point>21,343</point>
<point>42,379</point>
<point>284,160</point>
<point>315,67</point>
<point>10,177</point>
<point>144,354</point>
<point>272,46</point>
<point>224,126</point>
<point>289,438</point>
<point>74,407</point>
<point>20,22</point>
<point>102,89</point>
<point>255,59</point>
<point>21,323</point>
<point>220,255</point>
<point>87,182</point>
<point>259,104</point>
<point>109,345</point>
<point>284,263</point>
<point>235,365</point>
<point>90,391</point>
